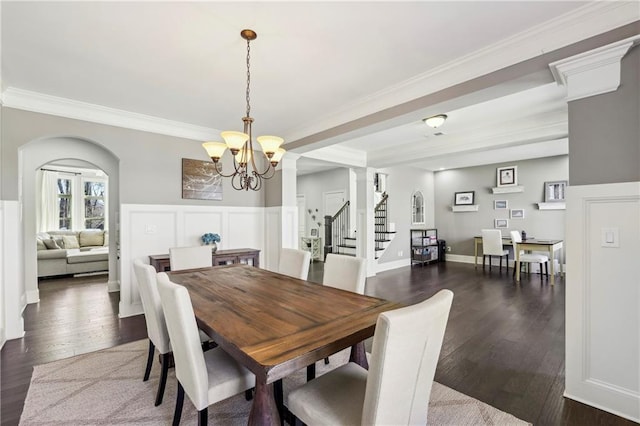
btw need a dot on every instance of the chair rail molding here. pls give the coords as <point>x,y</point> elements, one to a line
<point>603,298</point>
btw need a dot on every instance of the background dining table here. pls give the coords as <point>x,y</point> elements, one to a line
<point>274,324</point>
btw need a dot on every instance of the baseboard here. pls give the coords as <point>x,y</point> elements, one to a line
<point>601,407</point>
<point>3,338</point>
<point>461,258</point>
<point>126,310</point>
<point>33,296</point>
<point>387,266</point>
<point>113,286</point>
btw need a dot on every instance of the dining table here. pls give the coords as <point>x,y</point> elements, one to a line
<point>550,246</point>
<point>274,324</point>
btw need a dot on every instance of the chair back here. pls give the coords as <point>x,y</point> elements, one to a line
<point>345,272</point>
<point>515,239</point>
<point>492,242</point>
<point>406,347</point>
<point>191,369</point>
<point>153,313</point>
<point>190,257</point>
<point>294,263</point>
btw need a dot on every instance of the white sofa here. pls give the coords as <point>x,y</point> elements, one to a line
<point>72,252</point>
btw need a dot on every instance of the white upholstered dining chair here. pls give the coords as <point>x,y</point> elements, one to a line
<point>396,389</point>
<point>190,257</point>
<point>294,263</point>
<point>529,258</point>
<point>156,325</point>
<point>206,377</point>
<point>345,272</point>
<point>492,246</point>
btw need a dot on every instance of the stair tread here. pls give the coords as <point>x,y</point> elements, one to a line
<point>345,246</point>
<point>382,241</point>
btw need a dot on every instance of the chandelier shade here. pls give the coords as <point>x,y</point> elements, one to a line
<point>245,174</point>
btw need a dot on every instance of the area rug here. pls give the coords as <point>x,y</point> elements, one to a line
<point>106,388</point>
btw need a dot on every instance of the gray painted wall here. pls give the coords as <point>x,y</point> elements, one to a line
<point>150,164</point>
<point>273,190</point>
<point>314,185</point>
<point>458,229</point>
<point>401,183</point>
<point>596,121</point>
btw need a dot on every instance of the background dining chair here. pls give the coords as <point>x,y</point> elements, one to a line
<point>492,246</point>
<point>346,273</point>
<point>528,258</point>
<point>397,387</point>
<point>206,377</point>
<point>156,325</point>
<point>190,257</point>
<point>294,263</point>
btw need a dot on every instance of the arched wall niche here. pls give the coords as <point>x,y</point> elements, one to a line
<point>36,154</point>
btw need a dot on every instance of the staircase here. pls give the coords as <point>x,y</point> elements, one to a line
<point>339,240</point>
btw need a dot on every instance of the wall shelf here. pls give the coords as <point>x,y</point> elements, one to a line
<point>507,189</point>
<point>552,206</point>
<point>460,209</point>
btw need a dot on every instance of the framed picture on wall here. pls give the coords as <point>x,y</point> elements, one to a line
<point>501,223</point>
<point>500,204</point>
<point>314,232</point>
<point>554,191</point>
<point>507,176</point>
<point>517,213</point>
<point>465,198</point>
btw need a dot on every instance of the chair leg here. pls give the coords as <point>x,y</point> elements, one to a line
<point>311,372</point>
<point>484,258</point>
<point>152,351</point>
<point>179,402</point>
<point>164,360</point>
<point>546,269</point>
<point>203,416</point>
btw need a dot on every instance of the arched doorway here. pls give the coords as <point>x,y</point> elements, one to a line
<point>42,151</point>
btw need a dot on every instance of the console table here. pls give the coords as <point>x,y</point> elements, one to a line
<point>247,256</point>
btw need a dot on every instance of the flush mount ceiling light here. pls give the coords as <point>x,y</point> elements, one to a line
<point>436,120</point>
<point>241,145</point>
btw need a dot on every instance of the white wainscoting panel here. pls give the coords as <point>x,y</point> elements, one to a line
<point>152,229</point>
<point>15,298</point>
<point>603,298</point>
<point>289,228</point>
<point>273,237</point>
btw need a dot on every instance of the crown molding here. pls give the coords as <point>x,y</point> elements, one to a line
<point>594,72</point>
<point>69,108</point>
<point>588,21</point>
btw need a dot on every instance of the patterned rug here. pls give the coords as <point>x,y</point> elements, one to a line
<point>106,388</point>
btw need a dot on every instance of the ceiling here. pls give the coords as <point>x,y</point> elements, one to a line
<point>315,66</point>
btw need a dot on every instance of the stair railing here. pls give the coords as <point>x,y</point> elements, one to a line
<point>336,229</point>
<point>380,224</point>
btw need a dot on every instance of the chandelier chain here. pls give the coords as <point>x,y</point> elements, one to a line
<point>248,78</point>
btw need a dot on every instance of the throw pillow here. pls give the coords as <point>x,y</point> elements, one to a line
<point>91,238</point>
<point>51,244</point>
<point>70,242</point>
<point>40,244</point>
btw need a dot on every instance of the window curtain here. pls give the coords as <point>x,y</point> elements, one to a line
<point>48,214</point>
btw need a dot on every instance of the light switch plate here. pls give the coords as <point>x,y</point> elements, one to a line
<point>609,237</point>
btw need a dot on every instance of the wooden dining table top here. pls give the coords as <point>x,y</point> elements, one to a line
<point>275,324</point>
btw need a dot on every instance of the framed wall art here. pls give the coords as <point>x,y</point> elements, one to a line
<point>500,204</point>
<point>517,213</point>
<point>465,198</point>
<point>200,181</point>
<point>501,223</point>
<point>507,176</point>
<point>554,191</point>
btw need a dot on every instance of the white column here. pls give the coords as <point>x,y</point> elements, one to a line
<point>289,218</point>
<point>364,218</point>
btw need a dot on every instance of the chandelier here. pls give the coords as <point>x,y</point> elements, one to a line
<point>246,174</point>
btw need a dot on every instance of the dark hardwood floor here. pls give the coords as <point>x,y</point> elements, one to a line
<point>504,343</point>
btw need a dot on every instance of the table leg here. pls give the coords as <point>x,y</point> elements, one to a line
<point>264,411</point>
<point>517,264</point>
<point>475,253</point>
<point>358,355</point>
<point>552,262</point>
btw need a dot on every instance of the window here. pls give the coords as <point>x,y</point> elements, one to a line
<point>64,203</point>
<point>94,205</point>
